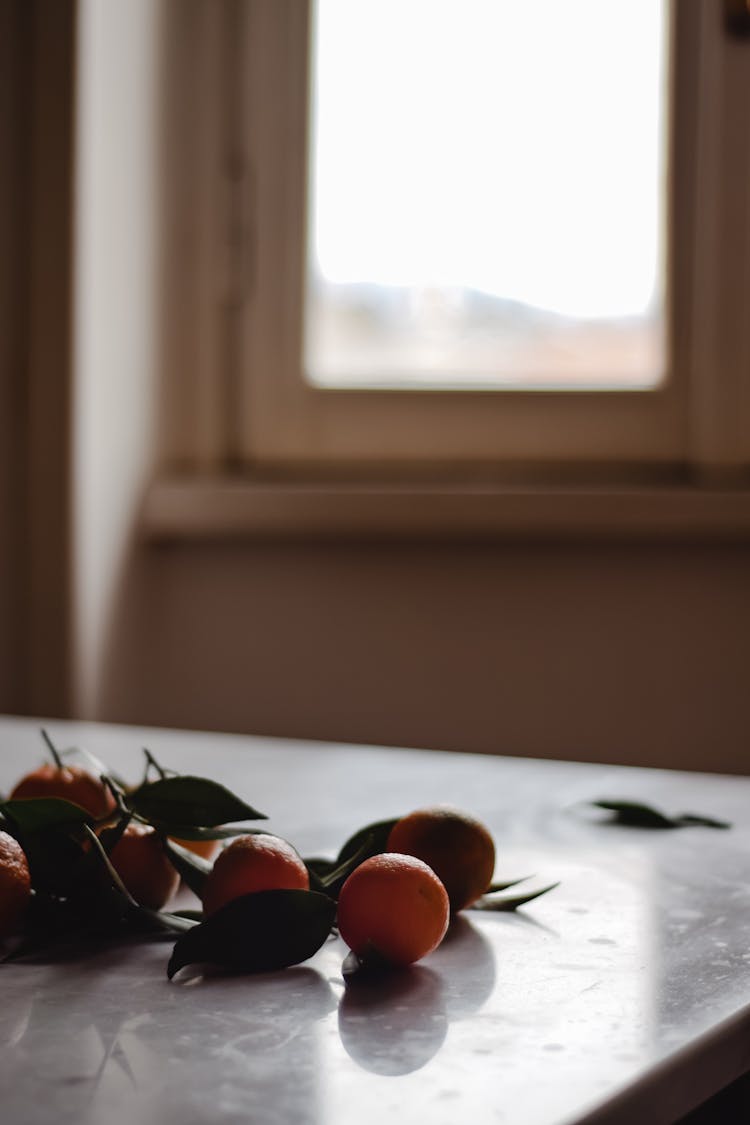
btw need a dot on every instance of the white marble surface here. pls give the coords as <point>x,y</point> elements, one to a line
<point>623,995</point>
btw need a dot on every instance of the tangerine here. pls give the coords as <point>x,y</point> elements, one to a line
<point>71,783</point>
<point>15,884</point>
<point>207,849</point>
<point>142,864</point>
<point>395,907</point>
<point>257,862</point>
<point>458,848</point>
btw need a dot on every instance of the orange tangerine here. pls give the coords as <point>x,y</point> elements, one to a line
<point>257,862</point>
<point>15,885</point>
<point>458,848</point>
<point>142,864</point>
<point>71,783</point>
<point>207,849</point>
<point>393,906</point>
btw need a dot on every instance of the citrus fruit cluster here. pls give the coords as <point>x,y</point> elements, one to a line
<point>390,893</point>
<point>82,855</point>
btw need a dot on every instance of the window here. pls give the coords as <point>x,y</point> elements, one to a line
<point>258,386</point>
<point>492,215</point>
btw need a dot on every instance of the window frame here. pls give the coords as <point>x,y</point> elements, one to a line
<point>284,420</point>
<point>237,407</point>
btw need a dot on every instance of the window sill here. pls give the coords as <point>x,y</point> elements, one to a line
<point>188,508</point>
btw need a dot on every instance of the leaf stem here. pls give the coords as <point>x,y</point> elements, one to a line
<point>118,795</point>
<point>108,864</point>
<point>151,761</point>
<point>53,750</point>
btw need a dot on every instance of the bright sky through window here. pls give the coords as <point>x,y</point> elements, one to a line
<point>466,151</point>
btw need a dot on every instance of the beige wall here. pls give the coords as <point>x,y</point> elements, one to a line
<point>117,309</point>
<point>624,654</point>
<point>613,653</point>
<point>616,653</point>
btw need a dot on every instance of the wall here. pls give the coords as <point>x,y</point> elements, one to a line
<point>632,654</point>
<point>625,654</point>
<point>117,310</point>
<point>11,347</point>
<point>37,65</point>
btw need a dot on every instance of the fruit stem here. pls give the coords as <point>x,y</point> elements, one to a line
<point>122,808</point>
<point>53,750</point>
<point>117,831</point>
<point>151,761</point>
<point>108,864</point>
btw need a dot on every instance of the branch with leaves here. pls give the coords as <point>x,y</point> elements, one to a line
<point>81,894</point>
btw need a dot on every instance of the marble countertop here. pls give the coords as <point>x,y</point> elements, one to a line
<point>624,994</point>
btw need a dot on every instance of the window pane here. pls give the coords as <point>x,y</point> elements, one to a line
<point>487,186</point>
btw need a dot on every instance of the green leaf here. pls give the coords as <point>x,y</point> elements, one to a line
<point>636,815</point>
<point>57,862</point>
<point>371,840</point>
<point>110,837</point>
<point>41,814</point>
<point>189,801</point>
<point>509,902</point>
<point>316,882</point>
<point>258,932</point>
<point>687,820</point>
<point>493,887</point>
<point>335,879</point>
<point>58,924</point>
<point>193,869</point>
<point>50,831</point>
<point>188,832</point>
<point>321,867</point>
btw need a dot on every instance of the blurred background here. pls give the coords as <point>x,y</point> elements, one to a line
<point>547,637</point>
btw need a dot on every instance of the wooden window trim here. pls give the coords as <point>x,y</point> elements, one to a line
<point>227,436</point>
